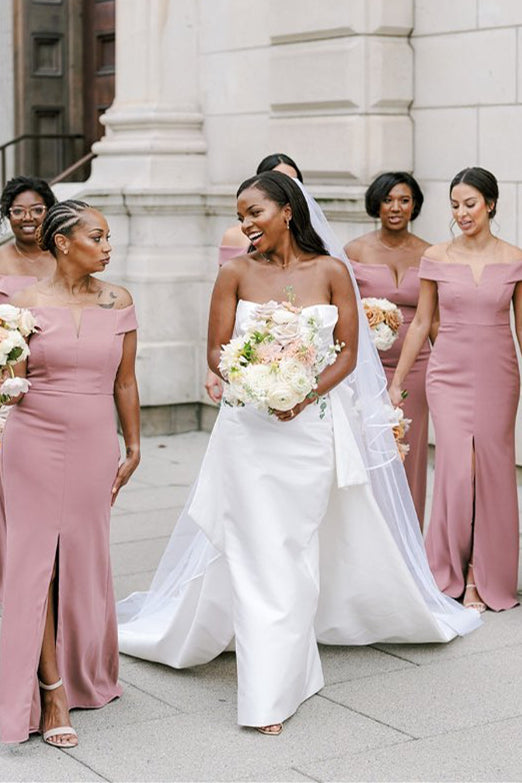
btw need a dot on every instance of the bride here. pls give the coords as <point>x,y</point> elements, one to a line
<point>300,526</point>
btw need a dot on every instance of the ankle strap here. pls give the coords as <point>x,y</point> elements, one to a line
<point>52,687</point>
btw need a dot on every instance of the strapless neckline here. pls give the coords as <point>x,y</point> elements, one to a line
<point>306,307</point>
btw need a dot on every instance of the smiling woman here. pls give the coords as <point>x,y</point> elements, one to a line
<point>385,263</point>
<point>473,393</point>
<point>60,464</point>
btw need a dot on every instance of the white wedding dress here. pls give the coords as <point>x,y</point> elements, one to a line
<point>281,543</point>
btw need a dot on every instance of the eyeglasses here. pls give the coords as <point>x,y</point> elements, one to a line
<point>37,211</point>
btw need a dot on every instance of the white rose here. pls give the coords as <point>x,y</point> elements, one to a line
<point>286,332</point>
<point>9,315</point>
<point>12,341</point>
<point>12,387</point>
<point>383,337</point>
<point>297,376</point>
<point>282,316</point>
<point>26,322</point>
<point>282,397</point>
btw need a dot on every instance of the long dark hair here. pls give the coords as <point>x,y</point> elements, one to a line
<point>271,161</point>
<point>483,181</point>
<point>282,190</point>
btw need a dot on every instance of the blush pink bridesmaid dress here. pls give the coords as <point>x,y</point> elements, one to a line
<point>60,456</point>
<point>9,285</point>
<point>473,394</point>
<point>378,280</point>
<point>226,252</point>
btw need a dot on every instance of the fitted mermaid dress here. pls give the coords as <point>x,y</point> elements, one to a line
<point>59,458</point>
<point>282,543</point>
<point>473,394</point>
<point>378,280</point>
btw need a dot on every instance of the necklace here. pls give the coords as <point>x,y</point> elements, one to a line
<point>393,247</point>
<point>28,258</point>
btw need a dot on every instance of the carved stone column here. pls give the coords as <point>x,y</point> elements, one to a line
<point>149,178</point>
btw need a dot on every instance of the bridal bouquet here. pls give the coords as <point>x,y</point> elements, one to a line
<point>275,364</point>
<point>15,325</point>
<point>400,426</point>
<point>384,320</point>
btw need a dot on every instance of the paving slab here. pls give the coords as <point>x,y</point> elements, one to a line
<point>145,498</point>
<point>125,584</point>
<point>437,698</point>
<point>131,557</point>
<point>196,689</point>
<point>491,753</point>
<point>211,747</point>
<point>35,761</point>
<point>141,525</point>
<point>342,664</point>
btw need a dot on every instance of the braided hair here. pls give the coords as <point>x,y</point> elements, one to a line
<point>61,218</point>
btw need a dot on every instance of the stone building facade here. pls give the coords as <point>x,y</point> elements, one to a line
<point>206,88</point>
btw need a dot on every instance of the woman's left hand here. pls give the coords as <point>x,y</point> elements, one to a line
<point>292,413</point>
<point>125,471</point>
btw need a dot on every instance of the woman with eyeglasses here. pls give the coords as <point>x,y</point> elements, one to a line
<point>24,203</point>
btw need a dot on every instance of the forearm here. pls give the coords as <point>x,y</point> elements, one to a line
<point>416,336</point>
<point>127,403</point>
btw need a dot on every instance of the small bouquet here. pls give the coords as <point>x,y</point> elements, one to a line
<point>400,426</point>
<point>384,320</point>
<point>276,363</point>
<point>15,325</point>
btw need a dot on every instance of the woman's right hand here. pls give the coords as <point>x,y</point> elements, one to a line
<point>214,387</point>
<point>397,395</point>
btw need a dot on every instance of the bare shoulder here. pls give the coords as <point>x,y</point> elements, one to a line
<point>437,252</point>
<point>5,259</point>
<point>420,244</point>
<point>337,269</point>
<point>27,297</point>
<point>510,252</point>
<point>113,297</point>
<point>234,237</point>
<point>355,250</point>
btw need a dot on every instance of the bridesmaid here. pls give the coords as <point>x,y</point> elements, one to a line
<point>385,263</point>
<point>24,202</point>
<point>60,443</point>
<point>234,243</point>
<point>473,393</point>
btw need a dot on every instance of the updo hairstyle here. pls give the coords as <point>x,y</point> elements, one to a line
<point>483,181</point>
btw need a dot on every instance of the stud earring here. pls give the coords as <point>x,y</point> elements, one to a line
<point>288,225</point>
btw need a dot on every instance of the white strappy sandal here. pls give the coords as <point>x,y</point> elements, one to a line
<point>59,730</point>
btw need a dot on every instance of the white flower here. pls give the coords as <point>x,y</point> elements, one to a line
<point>9,315</point>
<point>383,337</point>
<point>26,322</point>
<point>282,397</point>
<point>13,340</point>
<point>12,387</point>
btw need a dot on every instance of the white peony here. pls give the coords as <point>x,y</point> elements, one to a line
<point>282,397</point>
<point>26,322</point>
<point>12,387</point>
<point>13,340</point>
<point>383,337</point>
<point>9,315</point>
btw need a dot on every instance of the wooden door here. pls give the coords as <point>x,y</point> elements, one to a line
<point>98,65</point>
<point>48,78</point>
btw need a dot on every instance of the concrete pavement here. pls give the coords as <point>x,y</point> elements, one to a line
<point>388,712</point>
